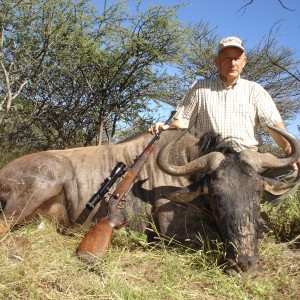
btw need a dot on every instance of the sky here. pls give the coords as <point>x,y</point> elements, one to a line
<point>251,24</point>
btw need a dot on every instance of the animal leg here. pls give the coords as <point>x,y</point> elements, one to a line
<point>55,209</point>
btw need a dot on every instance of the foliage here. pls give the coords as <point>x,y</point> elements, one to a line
<point>32,33</point>
<point>100,69</point>
<point>267,65</point>
<point>285,223</point>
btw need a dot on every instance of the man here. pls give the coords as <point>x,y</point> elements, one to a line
<point>229,105</point>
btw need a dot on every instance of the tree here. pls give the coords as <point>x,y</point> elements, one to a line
<point>28,33</point>
<point>32,36</point>
<point>99,72</point>
<point>293,72</point>
<point>281,2</point>
<point>126,74</point>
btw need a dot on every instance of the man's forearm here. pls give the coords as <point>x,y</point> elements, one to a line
<point>176,124</point>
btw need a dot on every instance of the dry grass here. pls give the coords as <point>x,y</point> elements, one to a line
<point>37,262</point>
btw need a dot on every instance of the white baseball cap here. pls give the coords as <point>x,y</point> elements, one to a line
<point>230,41</point>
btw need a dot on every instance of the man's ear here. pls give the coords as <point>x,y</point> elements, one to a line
<point>245,60</point>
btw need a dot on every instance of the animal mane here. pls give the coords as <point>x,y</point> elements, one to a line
<point>211,141</point>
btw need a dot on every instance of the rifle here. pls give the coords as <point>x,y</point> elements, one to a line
<point>117,172</point>
<point>96,241</point>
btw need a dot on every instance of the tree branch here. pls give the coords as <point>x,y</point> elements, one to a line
<point>244,7</point>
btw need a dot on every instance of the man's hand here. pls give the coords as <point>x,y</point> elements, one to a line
<point>282,142</point>
<point>296,165</point>
<point>154,129</point>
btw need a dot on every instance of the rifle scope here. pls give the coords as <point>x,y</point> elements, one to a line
<point>117,172</point>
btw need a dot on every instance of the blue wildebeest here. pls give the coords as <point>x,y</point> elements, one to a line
<point>58,183</point>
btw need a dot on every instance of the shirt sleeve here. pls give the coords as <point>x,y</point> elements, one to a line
<point>186,110</point>
<point>267,111</point>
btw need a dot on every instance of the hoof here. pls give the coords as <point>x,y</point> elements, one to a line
<point>234,268</point>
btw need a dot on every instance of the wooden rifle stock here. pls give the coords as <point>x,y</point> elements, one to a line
<point>96,242</point>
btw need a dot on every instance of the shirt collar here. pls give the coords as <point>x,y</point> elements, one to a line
<point>230,86</point>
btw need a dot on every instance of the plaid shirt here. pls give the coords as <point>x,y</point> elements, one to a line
<point>234,112</point>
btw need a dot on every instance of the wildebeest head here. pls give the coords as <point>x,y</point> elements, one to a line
<point>234,186</point>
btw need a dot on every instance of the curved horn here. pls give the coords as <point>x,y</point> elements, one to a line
<point>269,161</point>
<point>203,164</point>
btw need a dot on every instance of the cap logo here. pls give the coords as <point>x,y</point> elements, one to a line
<point>231,41</point>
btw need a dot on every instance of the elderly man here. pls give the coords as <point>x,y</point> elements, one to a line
<point>231,106</point>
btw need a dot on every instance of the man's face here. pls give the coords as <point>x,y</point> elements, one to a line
<point>230,62</point>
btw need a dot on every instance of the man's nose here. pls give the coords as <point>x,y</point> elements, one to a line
<point>233,62</point>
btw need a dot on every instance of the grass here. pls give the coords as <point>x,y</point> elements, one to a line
<point>37,262</point>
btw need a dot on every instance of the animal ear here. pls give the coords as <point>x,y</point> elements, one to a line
<point>188,193</point>
<point>275,187</point>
